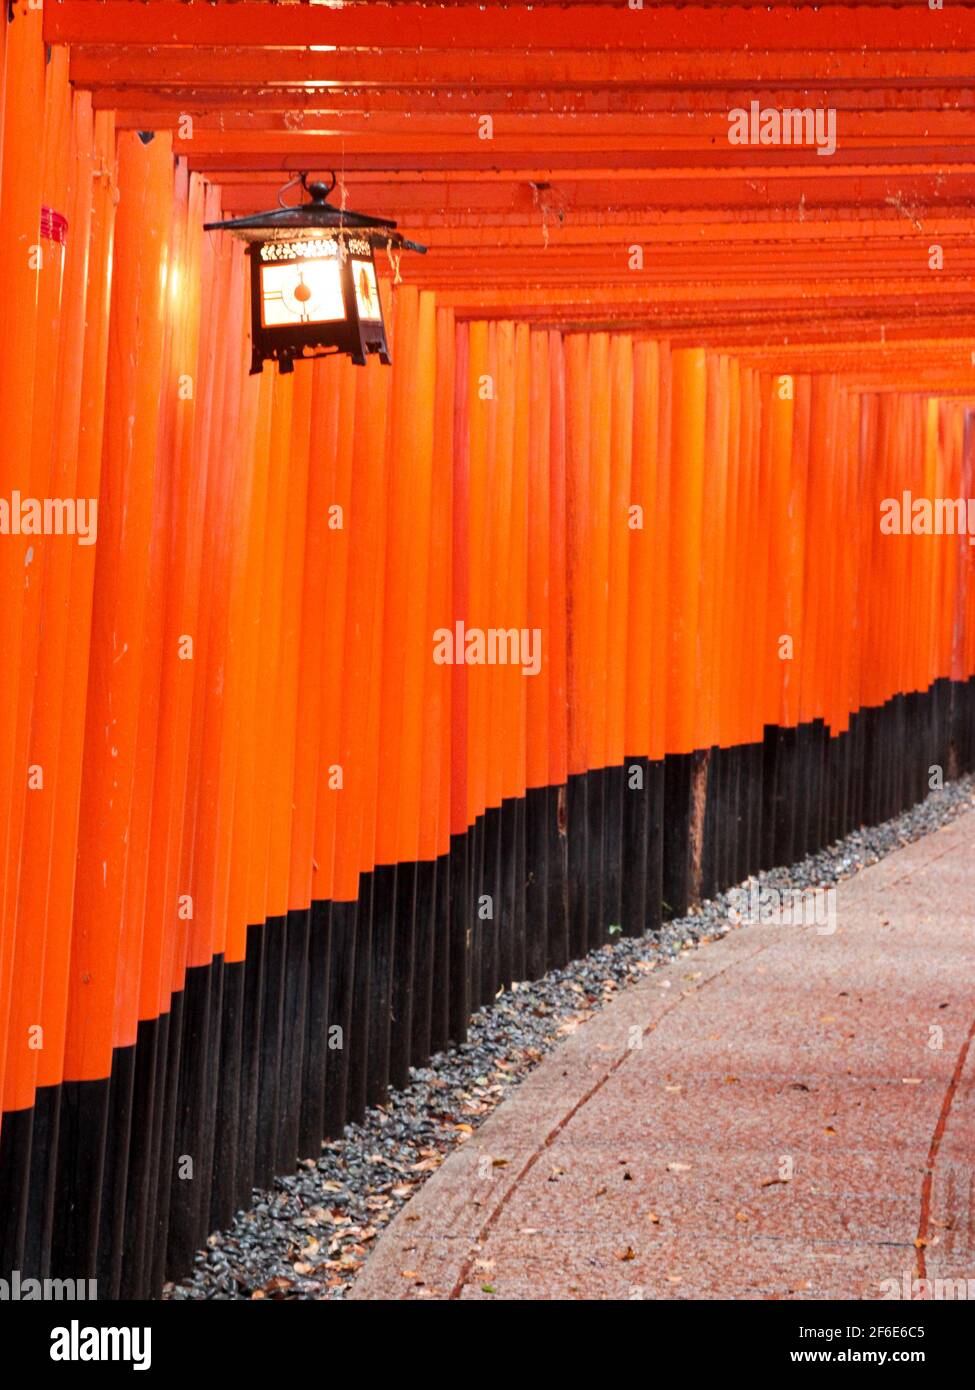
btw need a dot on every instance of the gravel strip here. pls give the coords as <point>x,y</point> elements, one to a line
<point>308,1237</point>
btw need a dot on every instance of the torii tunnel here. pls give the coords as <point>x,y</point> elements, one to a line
<point>334,700</point>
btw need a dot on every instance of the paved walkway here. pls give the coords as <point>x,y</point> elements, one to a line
<point>787,1125</point>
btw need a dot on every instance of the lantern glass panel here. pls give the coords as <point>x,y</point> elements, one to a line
<point>300,283</point>
<point>301,292</point>
<point>366,290</point>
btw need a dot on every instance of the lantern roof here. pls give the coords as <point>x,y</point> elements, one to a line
<point>318,215</point>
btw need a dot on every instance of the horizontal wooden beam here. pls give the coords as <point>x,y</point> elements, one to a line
<point>775,320</point>
<point>580,268</point>
<point>522,27</point>
<point>665,129</point>
<point>507,212</point>
<point>210,100</point>
<point>851,291</point>
<point>104,65</point>
<point>763,176</point>
<point>911,199</point>
<point>398,156</point>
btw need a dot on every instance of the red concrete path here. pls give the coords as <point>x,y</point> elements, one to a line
<point>655,1171</point>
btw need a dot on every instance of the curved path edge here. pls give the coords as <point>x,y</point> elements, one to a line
<point>787,1112</point>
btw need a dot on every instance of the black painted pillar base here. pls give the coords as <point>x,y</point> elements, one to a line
<point>678,773</point>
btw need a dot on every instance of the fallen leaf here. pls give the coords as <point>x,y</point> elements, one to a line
<point>277,1283</point>
<point>653,1218</point>
<point>628,1254</point>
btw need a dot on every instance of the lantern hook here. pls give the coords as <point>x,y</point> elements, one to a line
<point>320,192</point>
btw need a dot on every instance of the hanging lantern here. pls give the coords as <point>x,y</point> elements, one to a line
<point>313,279</point>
